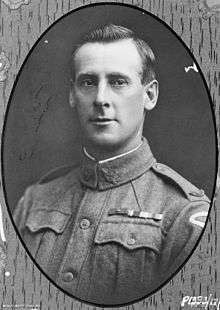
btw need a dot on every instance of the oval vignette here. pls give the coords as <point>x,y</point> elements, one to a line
<point>180,129</point>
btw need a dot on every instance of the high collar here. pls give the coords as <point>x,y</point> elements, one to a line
<point>111,158</point>
<point>107,174</point>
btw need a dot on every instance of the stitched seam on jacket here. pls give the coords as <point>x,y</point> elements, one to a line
<point>39,243</point>
<point>88,250</point>
<point>55,246</point>
<point>48,211</point>
<point>135,195</point>
<point>63,262</point>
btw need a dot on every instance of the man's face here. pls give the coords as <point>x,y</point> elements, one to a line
<point>108,94</point>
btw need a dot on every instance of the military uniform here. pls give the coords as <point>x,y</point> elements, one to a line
<point>111,232</point>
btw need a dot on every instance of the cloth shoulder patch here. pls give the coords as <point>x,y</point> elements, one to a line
<point>56,173</point>
<point>191,191</point>
<point>199,218</point>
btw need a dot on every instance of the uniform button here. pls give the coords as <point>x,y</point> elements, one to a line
<point>68,276</point>
<point>158,166</point>
<point>84,224</point>
<point>131,241</point>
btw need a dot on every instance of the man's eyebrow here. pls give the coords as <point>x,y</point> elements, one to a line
<point>85,75</point>
<point>118,75</point>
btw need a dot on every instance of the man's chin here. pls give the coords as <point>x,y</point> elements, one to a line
<point>104,141</point>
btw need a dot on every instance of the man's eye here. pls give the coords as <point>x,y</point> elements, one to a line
<point>119,82</point>
<point>87,83</point>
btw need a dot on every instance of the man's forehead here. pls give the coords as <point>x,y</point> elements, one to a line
<point>108,55</point>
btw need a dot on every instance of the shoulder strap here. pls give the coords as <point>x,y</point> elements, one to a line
<point>190,190</point>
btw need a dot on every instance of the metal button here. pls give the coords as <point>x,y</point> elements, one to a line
<point>68,276</point>
<point>131,241</point>
<point>85,223</point>
<point>158,166</point>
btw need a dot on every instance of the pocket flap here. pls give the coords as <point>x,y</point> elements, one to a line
<point>43,219</point>
<point>130,235</point>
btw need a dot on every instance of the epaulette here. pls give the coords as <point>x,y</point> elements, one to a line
<point>56,173</point>
<point>191,191</point>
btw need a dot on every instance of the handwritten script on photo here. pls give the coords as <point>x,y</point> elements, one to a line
<point>206,302</point>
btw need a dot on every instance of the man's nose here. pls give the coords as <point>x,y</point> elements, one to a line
<point>102,95</point>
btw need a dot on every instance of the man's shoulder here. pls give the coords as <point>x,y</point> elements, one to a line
<point>57,174</point>
<point>173,179</point>
<point>48,199</point>
<point>54,184</point>
<point>180,200</point>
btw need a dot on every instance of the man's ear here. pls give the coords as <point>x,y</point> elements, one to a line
<point>151,94</point>
<point>71,95</point>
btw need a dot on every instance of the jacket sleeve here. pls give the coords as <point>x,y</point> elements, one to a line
<point>183,235</point>
<point>22,209</point>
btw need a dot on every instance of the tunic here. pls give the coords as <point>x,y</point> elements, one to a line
<point>110,233</point>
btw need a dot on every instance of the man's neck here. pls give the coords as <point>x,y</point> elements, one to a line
<point>104,157</point>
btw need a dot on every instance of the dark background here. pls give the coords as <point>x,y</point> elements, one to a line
<point>41,130</point>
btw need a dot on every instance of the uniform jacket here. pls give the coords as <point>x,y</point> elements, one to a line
<point>112,232</point>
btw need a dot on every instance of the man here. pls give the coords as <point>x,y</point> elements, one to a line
<point>114,228</point>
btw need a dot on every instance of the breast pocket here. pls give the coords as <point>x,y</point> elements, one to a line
<point>131,234</point>
<point>127,255</point>
<point>42,229</point>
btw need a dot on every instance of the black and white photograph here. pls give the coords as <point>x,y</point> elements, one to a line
<point>109,154</point>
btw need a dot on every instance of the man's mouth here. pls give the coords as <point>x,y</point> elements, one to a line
<point>102,120</point>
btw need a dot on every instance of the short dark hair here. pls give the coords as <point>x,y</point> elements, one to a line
<point>110,33</point>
